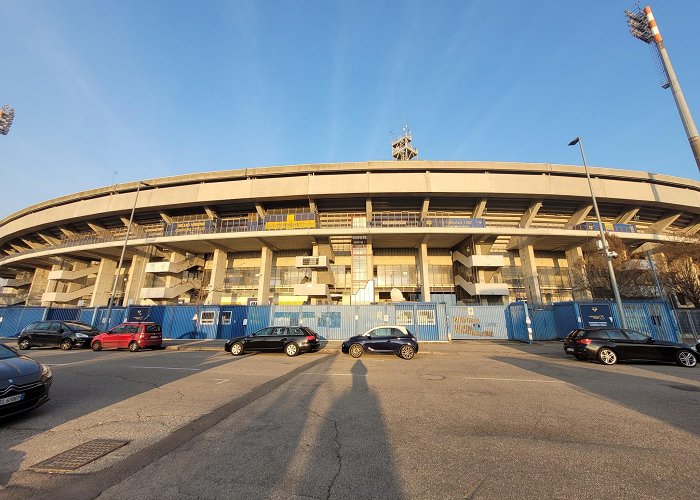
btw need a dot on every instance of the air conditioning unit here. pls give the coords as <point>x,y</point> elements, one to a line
<point>320,261</point>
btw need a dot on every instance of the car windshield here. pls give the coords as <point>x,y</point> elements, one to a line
<point>6,353</point>
<point>79,326</point>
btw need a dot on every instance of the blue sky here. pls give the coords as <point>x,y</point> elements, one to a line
<point>159,88</point>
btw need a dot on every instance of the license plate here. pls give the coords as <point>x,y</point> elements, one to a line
<point>569,349</point>
<point>12,399</point>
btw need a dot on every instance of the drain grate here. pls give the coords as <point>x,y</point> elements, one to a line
<point>80,455</point>
<point>683,387</point>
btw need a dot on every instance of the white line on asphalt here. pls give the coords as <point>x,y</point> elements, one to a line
<point>165,368</point>
<point>221,380</point>
<point>517,380</point>
<point>332,374</point>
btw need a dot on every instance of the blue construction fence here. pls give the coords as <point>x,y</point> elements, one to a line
<point>429,321</point>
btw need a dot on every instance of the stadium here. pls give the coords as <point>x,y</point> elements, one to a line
<point>450,232</point>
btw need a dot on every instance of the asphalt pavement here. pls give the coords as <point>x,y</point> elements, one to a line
<point>460,420</point>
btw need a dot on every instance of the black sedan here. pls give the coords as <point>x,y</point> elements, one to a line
<point>63,334</point>
<point>383,339</point>
<point>291,340</point>
<point>24,383</point>
<point>610,345</point>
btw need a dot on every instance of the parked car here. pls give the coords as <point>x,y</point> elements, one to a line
<point>63,334</point>
<point>291,340</point>
<point>383,339</point>
<point>610,345</point>
<point>133,336</point>
<point>24,383</point>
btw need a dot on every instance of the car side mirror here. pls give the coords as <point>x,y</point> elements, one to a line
<point>61,330</point>
<point>650,340</point>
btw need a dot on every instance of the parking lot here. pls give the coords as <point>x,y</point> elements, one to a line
<point>460,420</point>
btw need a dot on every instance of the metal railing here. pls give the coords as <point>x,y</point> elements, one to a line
<point>253,223</point>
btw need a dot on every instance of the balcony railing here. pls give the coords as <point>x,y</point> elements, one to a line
<point>280,222</point>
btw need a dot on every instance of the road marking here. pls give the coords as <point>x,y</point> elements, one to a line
<point>333,374</point>
<point>165,368</point>
<point>221,380</point>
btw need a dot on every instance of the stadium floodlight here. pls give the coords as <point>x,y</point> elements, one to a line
<point>603,241</point>
<point>7,114</point>
<point>643,26</point>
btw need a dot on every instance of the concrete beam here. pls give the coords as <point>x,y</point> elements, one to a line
<point>67,232</point>
<point>693,228</point>
<point>49,239</point>
<point>31,244</point>
<point>424,208</point>
<point>668,219</point>
<point>627,215</point>
<point>579,215</point>
<point>480,208</point>
<point>260,209</point>
<point>166,218</point>
<point>211,213</point>
<point>368,209</point>
<point>530,214</point>
<point>99,230</point>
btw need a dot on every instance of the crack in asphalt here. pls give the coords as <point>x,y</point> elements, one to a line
<point>336,449</point>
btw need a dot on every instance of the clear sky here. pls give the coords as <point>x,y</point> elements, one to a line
<point>158,88</point>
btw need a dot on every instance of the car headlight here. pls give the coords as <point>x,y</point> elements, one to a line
<point>46,372</point>
<point>81,335</point>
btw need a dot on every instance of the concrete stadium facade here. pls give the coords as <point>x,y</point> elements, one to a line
<point>350,233</point>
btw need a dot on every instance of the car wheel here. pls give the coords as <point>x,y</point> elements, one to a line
<point>607,356</point>
<point>66,345</point>
<point>291,349</point>
<point>356,350</point>
<point>236,349</point>
<point>96,346</point>
<point>407,351</point>
<point>25,344</point>
<point>686,358</point>
<point>134,346</point>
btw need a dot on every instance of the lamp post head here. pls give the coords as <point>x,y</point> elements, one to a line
<point>575,141</point>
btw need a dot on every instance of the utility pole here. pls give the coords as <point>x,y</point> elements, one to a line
<point>643,26</point>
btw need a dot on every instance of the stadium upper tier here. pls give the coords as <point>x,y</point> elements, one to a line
<point>399,204</point>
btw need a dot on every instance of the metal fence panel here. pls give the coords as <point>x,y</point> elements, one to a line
<point>179,322</point>
<point>231,322</point>
<point>477,322</point>
<point>63,314</point>
<point>257,317</point>
<point>518,321</point>
<point>544,324</point>
<point>117,316</point>
<point>14,319</point>
<point>688,321</point>
<point>565,318</point>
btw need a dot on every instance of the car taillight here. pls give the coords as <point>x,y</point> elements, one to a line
<point>584,341</point>
<point>310,337</point>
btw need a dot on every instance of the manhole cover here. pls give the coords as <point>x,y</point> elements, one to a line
<point>433,377</point>
<point>80,455</point>
<point>681,387</point>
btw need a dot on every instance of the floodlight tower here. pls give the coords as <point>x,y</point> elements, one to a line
<point>643,26</point>
<point>401,148</point>
<point>7,114</point>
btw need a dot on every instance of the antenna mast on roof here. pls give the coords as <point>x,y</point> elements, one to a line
<point>401,148</point>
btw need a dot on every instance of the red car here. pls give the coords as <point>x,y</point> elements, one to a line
<point>133,336</point>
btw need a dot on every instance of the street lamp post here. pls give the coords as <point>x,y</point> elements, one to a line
<point>121,257</point>
<point>604,241</point>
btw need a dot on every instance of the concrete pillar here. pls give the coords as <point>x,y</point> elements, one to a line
<point>104,283</point>
<point>73,286</point>
<point>265,274</point>
<point>529,267</point>
<point>370,268</point>
<point>51,285</point>
<point>38,286</point>
<point>219,265</point>
<point>136,279</point>
<point>424,271</point>
<point>172,280</point>
<point>574,257</point>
